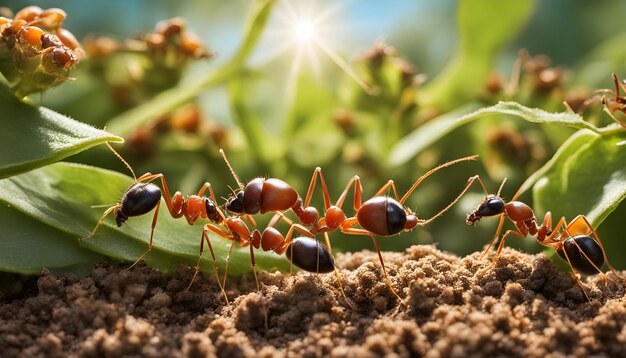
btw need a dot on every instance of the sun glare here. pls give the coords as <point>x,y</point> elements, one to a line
<point>307,30</point>
<point>304,31</point>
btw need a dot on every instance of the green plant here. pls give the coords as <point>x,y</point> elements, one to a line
<point>398,130</point>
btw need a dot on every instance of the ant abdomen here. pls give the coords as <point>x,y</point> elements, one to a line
<point>573,246</point>
<point>140,199</point>
<point>382,216</point>
<point>263,195</point>
<point>310,255</point>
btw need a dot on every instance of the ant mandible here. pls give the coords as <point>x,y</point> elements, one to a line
<point>578,243</point>
<point>381,215</point>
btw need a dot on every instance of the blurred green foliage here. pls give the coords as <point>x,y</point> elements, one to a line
<point>274,118</point>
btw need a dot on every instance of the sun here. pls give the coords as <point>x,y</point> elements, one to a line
<point>303,31</point>
<point>307,30</point>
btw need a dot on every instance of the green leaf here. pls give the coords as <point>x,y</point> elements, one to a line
<point>61,195</point>
<point>31,137</point>
<point>484,27</point>
<point>429,133</point>
<point>586,176</point>
<point>28,245</point>
<point>164,102</point>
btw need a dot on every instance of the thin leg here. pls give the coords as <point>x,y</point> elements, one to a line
<point>218,230</point>
<point>230,250</point>
<point>390,184</point>
<point>253,264</point>
<point>495,258</point>
<point>382,264</point>
<point>327,240</point>
<point>154,221</point>
<point>106,213</point>
<point>495,237</point>
<point>205,237</point>
<point>575,275</point>
<point>309,194</point>
<point>363,232</point>
<point>358,193</point>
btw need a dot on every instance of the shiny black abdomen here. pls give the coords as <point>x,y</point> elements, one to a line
<point>310,255</point>
<point>590,247</point>
<point>140,199</point>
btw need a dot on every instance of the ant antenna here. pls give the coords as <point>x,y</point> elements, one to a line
<point>232,171</point>
<point>500,188</point>
<point>428,173</point>
<point>122,159</point>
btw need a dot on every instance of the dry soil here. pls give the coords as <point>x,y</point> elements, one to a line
<point>450,307</point>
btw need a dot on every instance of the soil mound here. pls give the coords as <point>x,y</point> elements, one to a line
<point>451,307</point>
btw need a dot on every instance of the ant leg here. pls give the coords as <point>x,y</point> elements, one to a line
<point>501,245</point>
<point>309,194</point>
<point>230,251</point>
<point>327,240</point>
<point>470,181</point>
<point>358,193</point>
<point>495,237</point>
<point>106,213</point>
<point>575,275</point>
<point>428,173</point>
<point>219,231</point>
<point>288,238</point>
<point>382,264</point>
<point>253,264</point>
<point>154,221</point>
<point>204,237</point>
<point>390,184</point>
<point>362,232</point>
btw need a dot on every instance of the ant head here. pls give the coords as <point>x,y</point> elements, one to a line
<point>120,218</point>
<point>493,205</point>
<point>235,204</point>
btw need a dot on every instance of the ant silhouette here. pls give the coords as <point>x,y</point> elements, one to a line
<point>578,242</point>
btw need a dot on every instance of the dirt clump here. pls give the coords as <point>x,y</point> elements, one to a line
<point>451,307</point>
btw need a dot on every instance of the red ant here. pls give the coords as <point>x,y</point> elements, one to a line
<point>578,243</point>
<point>262,195</point>
<point>144,196</point>
<point>380,215</point>
<point>618,104</point>
<point>610,105</point>
<point>63,47</point>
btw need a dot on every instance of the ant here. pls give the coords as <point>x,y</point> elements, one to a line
<point>618,104</point>
<point>381,215</point>
<point>578,243</point>
<point>62,46</point>
<point>144,196</point>
<point>610,105</point>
